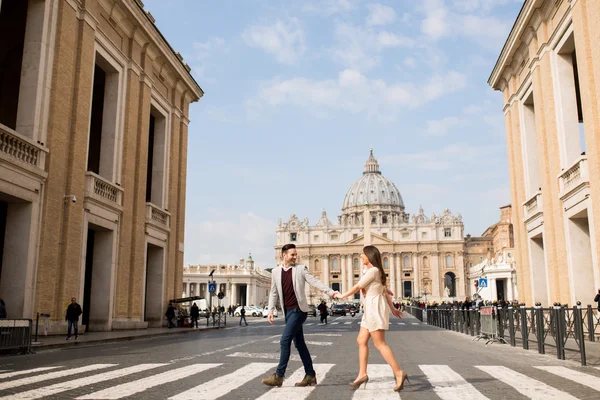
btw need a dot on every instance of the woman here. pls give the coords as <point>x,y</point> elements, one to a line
<point>375,320</point>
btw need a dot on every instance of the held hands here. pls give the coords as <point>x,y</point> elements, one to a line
<point>337,295</point>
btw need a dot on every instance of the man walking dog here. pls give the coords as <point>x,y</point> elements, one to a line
<point>287,287</point>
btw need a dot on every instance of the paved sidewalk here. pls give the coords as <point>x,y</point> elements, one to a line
<point>90,338</point>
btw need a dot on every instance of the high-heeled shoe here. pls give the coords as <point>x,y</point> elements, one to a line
<point>356,384</point>
<point>401,385</point>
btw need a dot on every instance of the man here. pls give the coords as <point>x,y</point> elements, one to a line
<point>194,314</point>
<point>170,314</point>
<point>287,286</point>
<point>243,316</point>
<point>72,317</point>
<point>597,299</point>
<point>323,311</point>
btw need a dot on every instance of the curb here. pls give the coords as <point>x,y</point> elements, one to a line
<point>89,343</point>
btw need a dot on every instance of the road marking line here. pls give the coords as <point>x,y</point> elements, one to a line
<point>85,381</point>
<point>575,376</point>
<point>334,323</point>
<point>347,323</point>
<point>289,391</point>
<point>402,323</point>
<point>312,323</point>
<point>210,353</point>
<point>140,385</point>
<point>415,323</point>
<point>322,334</point>
<point>380,386</point>
<point>525,385</point>
<point>312,343</point>
<point>52,375</point>
<point>268,356</point>
<point>224,384</point>
<point>448,384</point>
<point>25,372</point>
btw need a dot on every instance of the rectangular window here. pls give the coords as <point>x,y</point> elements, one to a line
<point>354,235</point>
<point>424,235</point>
<point>447,232</point>
<point>407,275</point>
<point>356,276</point>
<point>334,276</point>
<point>335,237</point>
<point>384,234</point>
<point>530,151</point>
<point>155,174</point>
<point>293,237</point>
<point>316,238</point>
<point>404,235</point>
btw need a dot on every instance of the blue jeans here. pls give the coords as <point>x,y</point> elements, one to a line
<point>293,332</point>
<point>74,325</point>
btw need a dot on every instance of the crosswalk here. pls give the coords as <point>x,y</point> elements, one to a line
<point>222,380</point>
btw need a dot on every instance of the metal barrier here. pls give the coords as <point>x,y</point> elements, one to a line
<point>15,334</point>
<point>416,312</point>
<point>218,319</point>
<point>566,329</point>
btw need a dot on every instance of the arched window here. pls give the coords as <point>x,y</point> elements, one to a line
<point>335,265</point>
<point>386,263</point>
<point>449,261</point>
<point>425,262</point>
<point>356,264</point>
<point>406,262</point>
<point>317,266</point>
<point>449,285</point>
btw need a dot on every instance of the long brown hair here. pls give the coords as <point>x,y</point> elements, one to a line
<point>374,257</point>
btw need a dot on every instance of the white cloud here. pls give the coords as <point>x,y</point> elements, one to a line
<point>354,92</point>
<point>454,156</point>
<point>284,40</point>
<point>201,60</point>
<point>441,127</point>
<point>380,15</point>
<point>410,62</point>
<point>359,48</point>
<point>226,237</point>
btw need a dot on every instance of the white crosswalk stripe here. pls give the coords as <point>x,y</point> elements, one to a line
<point>25,372</point>
<point>77,383</point>
<point>347,323</point>
<point>312,343</point>
<point>380,386</point>
<point>449,385</point>
<point>525,385</point>
<point>52,375</point>
<point>131,388</point>
<point>224,384</point>
<point>575,376</point>
<point>334,323</point>
<point>289,391</point>
<point>323,334</point>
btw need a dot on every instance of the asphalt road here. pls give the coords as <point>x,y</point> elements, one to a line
<point>229,363</point>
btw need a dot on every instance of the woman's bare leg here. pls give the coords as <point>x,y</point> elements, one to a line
<point>386,352</point>
<point>363,351</point>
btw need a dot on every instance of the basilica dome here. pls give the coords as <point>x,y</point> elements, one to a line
<point>374,190</point>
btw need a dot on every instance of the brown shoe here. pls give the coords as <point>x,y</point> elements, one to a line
<point>273,380</point>
<point>308,381</point>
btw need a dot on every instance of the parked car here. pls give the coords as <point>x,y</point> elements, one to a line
<point>265,312</point>
<point>312,310</point>
<point>250,311</point>
<point>338,309</point>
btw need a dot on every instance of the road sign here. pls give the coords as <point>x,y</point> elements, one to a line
<point>212,287</point>
<point>483,282</point>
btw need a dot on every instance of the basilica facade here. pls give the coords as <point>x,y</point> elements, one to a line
<point>423,256</point>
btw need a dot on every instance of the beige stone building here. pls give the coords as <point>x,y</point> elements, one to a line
<point>492,257</point>
<point>422,255</point>
<point>93,140</point>
<point>242,284</point>
<point>548,72</point>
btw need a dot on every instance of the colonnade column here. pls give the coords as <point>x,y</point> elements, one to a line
<point>185,289</point>
<point>248,294</point>
<point>233,299</point>
<point>434,265</point>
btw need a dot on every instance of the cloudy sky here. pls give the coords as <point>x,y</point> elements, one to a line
<point>296,92</point>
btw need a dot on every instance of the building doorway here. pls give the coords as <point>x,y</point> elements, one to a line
<point>154,293</point>
<point>243,290</point>
<point>98,279</point>
<point>407,292</point>
<point>501,289</point>
<point>450,284</point>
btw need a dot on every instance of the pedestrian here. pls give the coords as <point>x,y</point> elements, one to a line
<point>375,320</point>
<point>194,314</point>
<point>72,317</point>
<point>170,314</point>
<point>287,286</point>
<point>3,312</point>
<point>323,311</point>
<point>243,316</point>
<point>597,299</point>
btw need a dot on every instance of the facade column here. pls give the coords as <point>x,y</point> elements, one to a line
<point>509,289</point>
<point>459,264</point>
<point>350,273</point>
<point>343,266</point>
<point>247,294</point>
<point>326,271</point>
<point>434,266</point>
<point>400,274</point>
<point>392,283</point>
<point>416,279</point>
<point>185,289</point>
<point>493,288</point>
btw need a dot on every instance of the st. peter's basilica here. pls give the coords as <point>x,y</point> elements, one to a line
<point>422,255</point>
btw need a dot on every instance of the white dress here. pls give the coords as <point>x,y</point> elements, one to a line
<point>377,312</point>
